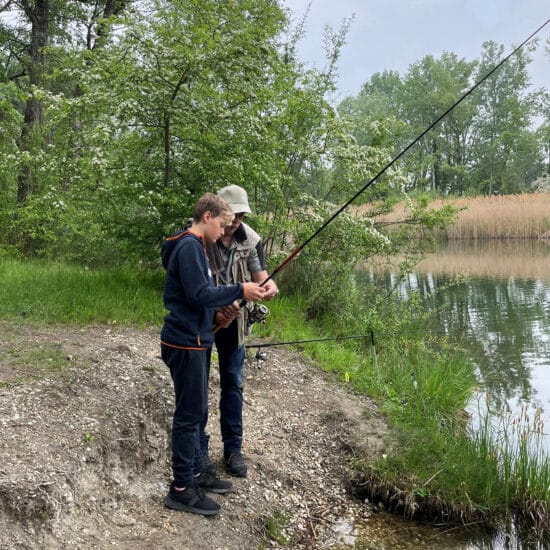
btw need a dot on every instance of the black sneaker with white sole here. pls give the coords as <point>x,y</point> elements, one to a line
<point>192,499</point>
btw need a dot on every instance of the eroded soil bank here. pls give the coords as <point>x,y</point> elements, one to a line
<point>84,452</point>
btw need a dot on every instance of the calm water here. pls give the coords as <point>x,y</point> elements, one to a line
<point>501,313</point>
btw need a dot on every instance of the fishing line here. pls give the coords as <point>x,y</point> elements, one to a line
<point>396,158</point>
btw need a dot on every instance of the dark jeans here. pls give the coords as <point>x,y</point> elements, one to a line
<point>231,361</point>
<point>189,370</point>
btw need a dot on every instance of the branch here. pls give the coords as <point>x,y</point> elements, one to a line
<point>18,75</point>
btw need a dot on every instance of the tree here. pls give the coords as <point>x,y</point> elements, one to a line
<point>430,87</point>
<point>186,96</point>
<point>379,100</point>
<point>504,146</point>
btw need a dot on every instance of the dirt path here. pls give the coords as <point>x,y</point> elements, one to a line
<point>84,448</point>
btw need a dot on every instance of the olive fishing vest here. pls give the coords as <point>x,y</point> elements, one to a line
<point>247,240</point>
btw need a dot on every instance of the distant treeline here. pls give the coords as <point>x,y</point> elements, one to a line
<point>497,141</point>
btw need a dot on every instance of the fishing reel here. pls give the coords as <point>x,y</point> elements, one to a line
<point>258,314</point>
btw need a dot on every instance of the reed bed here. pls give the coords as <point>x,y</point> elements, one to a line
<point>501,217</point>
<point>525,216</point>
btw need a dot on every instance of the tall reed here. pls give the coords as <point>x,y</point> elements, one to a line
<point>513,447</point>
<point>502,217</point>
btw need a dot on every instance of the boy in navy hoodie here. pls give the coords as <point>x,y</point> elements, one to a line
<point>186,341</point>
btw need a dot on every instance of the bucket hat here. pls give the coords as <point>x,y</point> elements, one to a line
<point>236,197</point>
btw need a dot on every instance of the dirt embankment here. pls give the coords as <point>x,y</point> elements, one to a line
<point>84,448</point>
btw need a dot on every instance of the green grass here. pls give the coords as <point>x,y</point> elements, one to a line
<point>61,293</point>
<point>274,528</point>
<point>421,385</point>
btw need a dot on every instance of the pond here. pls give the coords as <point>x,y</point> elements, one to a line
<point>500,313</point>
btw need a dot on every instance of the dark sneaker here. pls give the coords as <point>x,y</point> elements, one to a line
<point>193,500</point>
<point>213,484</point>
<point>209,465</point>
<point>234,465</point>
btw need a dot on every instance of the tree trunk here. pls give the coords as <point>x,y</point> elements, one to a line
<point>166,146</point>
<point>112,8</point>
<point>38,13</point>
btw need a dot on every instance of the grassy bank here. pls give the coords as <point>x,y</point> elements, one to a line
<point>432,468</point>
<point>435,468</point>
<point>61,293</point>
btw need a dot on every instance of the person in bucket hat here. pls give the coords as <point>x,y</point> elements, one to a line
<point>237,257</point>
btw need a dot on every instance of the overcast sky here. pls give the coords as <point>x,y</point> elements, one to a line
<point>393,34</point>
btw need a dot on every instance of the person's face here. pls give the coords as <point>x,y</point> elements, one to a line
<point>215,227</point>
<point>234,225</point>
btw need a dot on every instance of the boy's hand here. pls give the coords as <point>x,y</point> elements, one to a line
<point>227,314</point>
<point>221,320</point>
<point>232,311</point>
<point>253,292</point>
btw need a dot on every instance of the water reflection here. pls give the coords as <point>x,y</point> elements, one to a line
<point>505,324</point>
<point>520,259</point>
<point>502,319</point>
<point>389,532</point>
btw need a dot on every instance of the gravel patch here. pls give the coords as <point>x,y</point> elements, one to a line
<point>85,461</point>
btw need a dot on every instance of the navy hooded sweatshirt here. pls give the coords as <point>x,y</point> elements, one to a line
<point>189,293</point>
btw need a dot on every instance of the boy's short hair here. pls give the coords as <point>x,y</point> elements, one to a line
<point>213,204</point>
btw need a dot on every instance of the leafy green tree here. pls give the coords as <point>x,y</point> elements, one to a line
<point>185,97</point>
<point>430,87</point>
<point>36,39</point>
<point>10,125</point>
<point>485,144</point>
<point>503,142</point>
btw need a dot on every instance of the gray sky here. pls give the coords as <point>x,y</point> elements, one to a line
<point>393,34</point>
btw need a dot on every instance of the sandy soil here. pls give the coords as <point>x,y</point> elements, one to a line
<point>85,418</point>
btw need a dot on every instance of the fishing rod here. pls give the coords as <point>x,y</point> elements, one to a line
<point>261,355</point>
<point>369,335</point>
<point>297,251</point>
<point>292,342</point>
